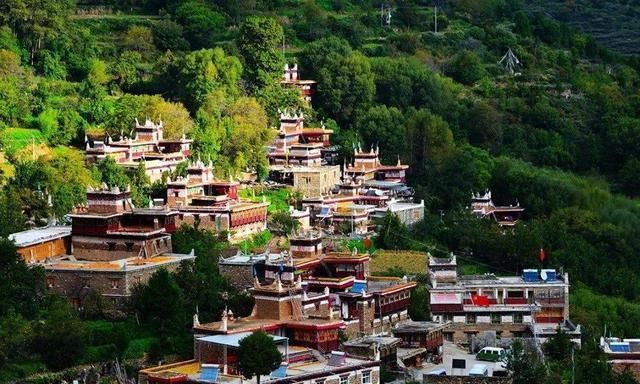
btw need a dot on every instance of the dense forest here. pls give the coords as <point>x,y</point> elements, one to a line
<point>557,133</point>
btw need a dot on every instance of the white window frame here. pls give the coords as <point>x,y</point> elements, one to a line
<point>366,377</point>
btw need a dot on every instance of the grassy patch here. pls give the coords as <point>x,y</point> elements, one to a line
<point>466,268</point>
<point>410,262</point>
<point>256,243</point>
<point>18,138</point>
<point>12,372</point>
<point>138,347</point>
<point>278,198</point>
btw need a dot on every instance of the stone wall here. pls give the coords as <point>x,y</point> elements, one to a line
<point>462,333</point>
<point>116,285</point>
<point>317,181</point>
<point>429,379</point>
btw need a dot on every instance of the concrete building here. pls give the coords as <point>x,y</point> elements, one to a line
<point>512,306</point>
<point>409,213</point>
<point>622,354</point>
<point>145,145</point>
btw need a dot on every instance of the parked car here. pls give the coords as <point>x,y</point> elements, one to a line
<point>479,370</point>
<point>438,372</point>
<point>491,354</point>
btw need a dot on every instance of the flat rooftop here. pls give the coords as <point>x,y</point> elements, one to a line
<point>367,341</point>
<point>497,281</point>
<point>295,371</point>
<point>39,235</point>
<point>233,340</point>
<point>70,263</point>
<point>418,326</point>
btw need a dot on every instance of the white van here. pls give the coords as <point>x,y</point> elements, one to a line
<point>491,354</point>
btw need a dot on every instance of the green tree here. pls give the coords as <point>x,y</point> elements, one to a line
<point>200,23</point>
<point>485,127</point>
<point>283,223</point>
<point>127,69</point>
<point>168,35</point>
<point>384,127</point>
<point>12,218</point>
<point>205,71</point>
<point>258,44</point>
<point>22,288</point>
<point>559,346</point>
<point>523,360</point>
<point>466,68</point>
<point>109,172</point>
<point>139,39</point>
<point>429,141</point>
<point>345,81</point>
<point>275,98</point>
<point>161,303</point>
<point>60,337</point>
<point>15,338</point>
<point>392,234</point>
<point>258,355</point>
<point>247,133</point>
<point>346,87</point>
<point>34,20</point>
<point>419,307</point>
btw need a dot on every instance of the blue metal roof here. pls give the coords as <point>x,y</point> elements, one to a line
<point>233,340</point>
<point>359,286</point>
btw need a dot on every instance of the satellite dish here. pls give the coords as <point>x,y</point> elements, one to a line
<point>543,275</point>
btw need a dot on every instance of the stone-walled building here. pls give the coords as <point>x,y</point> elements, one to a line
<point>113,246</point>
<point>145,145</point>
<point>213,204</point>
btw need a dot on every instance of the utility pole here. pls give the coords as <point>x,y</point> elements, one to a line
<point>573,365</point>
<point>435,18</point>
<point>381,13</point>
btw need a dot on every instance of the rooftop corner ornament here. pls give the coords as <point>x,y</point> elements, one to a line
<point>510,62</point>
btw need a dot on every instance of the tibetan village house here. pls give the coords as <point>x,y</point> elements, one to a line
<point>302,157</point>
<point>113,246</point>
<point>506,216</point>
<point>215,361</point>
<point>375,305</point>
<point>366,192</point>
<point>284,309</point>
<point>367,304</point>
<point>146,145</point>
<point>535,303</point>
<point>291,79</point>
<point>214,204</point>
